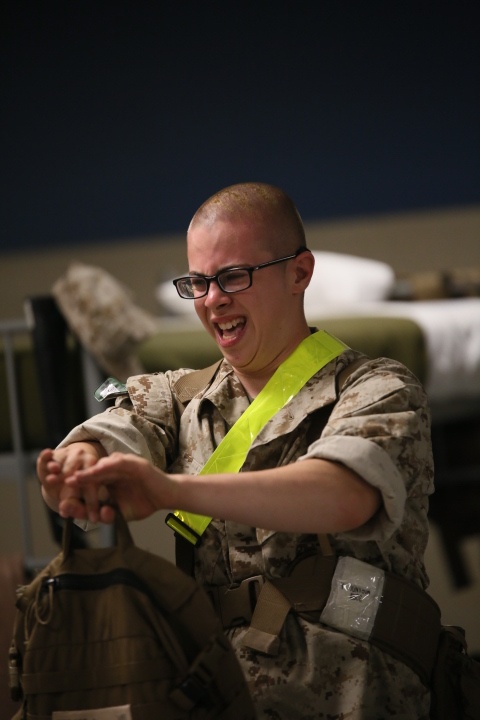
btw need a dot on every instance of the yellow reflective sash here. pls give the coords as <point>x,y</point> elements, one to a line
<point>306,360</point>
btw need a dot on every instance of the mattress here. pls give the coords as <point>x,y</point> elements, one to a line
<point>451,329</point>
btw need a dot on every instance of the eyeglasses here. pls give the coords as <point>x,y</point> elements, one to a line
<point>192,287</point>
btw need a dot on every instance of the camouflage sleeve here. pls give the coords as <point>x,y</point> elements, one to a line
<point>380,428</point>
<point>144,422</point>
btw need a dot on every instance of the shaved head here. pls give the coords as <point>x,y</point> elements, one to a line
<point>260,205</point>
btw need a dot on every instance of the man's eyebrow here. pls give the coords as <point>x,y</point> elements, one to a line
<point>225,268</point>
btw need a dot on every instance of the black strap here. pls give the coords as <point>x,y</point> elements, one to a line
<point>184,555</point>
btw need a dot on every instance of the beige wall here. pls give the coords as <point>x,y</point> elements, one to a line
<point>439,239</point>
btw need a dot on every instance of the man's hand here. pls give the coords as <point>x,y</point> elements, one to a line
<point>54,466</point>
<point>123,481</point>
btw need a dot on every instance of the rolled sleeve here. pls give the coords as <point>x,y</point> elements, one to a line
<point>375,466</point>
<point>116,431</point>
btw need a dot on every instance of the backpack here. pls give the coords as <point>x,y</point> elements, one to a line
<point>456,678</point>
<point>119,633</point>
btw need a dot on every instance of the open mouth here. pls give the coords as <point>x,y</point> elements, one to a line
<point>231,329</point>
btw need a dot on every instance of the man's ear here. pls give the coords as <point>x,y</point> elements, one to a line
<point>303,270</point>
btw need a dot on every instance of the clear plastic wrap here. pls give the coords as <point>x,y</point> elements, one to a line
<point>354,599</point>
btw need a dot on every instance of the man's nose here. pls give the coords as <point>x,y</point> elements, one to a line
<point>215,295</point>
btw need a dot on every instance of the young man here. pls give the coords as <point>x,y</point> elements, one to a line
<point>347,454</point>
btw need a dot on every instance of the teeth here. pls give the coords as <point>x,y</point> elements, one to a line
<point>229,325</point>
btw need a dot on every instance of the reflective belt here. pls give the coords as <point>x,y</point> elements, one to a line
<point>310,356</point>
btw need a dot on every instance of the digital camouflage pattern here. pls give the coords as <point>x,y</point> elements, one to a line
<point>378,426</point>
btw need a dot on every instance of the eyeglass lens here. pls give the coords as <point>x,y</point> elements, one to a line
<point>230,281</point>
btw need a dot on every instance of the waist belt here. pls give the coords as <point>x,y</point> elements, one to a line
<point>406,625</point>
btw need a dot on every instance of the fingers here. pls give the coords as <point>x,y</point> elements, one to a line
<point>53,469</point>
<point>72,507</point>
<point>90,484</point>
<point>49,474</point>
<point>77,458</point>
<point>107,471</point>
<point>86,504</point>
<point>72,487</point>
<point>95,498</point>
<point>107,514</point>
<point>91,502</point>
<point>127,478</point>
<point>53,466</point>
<point>43,460</point>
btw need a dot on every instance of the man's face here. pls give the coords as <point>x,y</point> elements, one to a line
<point>258,327</point>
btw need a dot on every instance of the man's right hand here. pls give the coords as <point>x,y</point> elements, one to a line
<point>54,466</point>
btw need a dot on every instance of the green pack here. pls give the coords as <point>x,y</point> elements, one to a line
<point>121,634</point>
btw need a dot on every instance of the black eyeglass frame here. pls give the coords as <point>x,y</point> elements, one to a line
<point>249,269</point>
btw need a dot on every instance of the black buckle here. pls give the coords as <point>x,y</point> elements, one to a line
<point>194,688</point>
<point>235,605</point>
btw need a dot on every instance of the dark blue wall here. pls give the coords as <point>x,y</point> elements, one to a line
<point>120,118</point>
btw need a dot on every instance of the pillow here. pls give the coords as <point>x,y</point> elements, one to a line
<point>101,312</point>
<point>169,299</point>
<point>341,279</point>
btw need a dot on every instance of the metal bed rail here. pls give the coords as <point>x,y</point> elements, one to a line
<point>19,464</point>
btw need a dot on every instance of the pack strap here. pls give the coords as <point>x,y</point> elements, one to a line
<point>273,605</point>
<point>196,684</point>
<point>310,356</point>
<point>407,625</point>
<point>190,384</point>
<point>267,621</point>
<point>94,678</point>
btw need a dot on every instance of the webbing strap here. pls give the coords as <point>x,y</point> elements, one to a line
<point>324,546</point>
<point>310,356</point>
<point>36,683</point>
<point>188,385</point>
<point>267,621</point>
<point>195,686</point>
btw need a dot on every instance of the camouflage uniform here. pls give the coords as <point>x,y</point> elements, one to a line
<point>378,426</point>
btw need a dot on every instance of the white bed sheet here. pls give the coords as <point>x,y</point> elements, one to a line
<point>451,329</point>
<point>452,334</point>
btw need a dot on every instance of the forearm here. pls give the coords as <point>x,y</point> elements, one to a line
<point>314,496</point>
<point>311,496</point>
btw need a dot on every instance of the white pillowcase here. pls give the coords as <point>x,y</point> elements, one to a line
<point>169,299</point>
<point>339,279</point>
